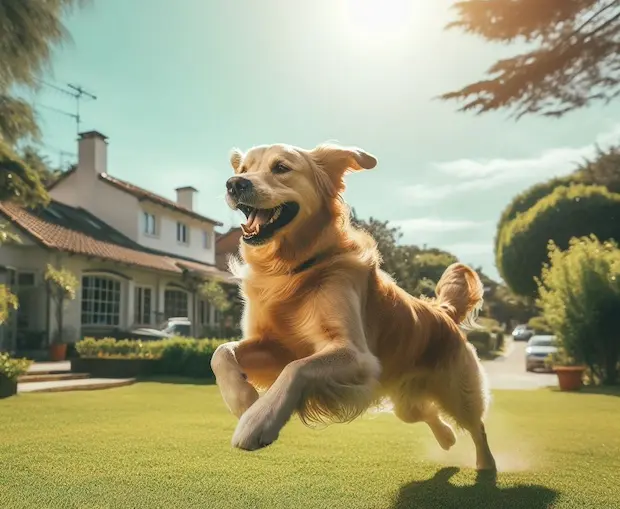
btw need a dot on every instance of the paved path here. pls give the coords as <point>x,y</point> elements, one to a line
<point>509,372</point>
<point>86,384</point>
<point>49,367</point>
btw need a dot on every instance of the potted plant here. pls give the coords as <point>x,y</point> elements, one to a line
<point>569,372</point>
<point>10,371</point>
<point>62,285</point>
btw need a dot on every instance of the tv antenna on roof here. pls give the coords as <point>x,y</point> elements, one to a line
<point>78,93</point>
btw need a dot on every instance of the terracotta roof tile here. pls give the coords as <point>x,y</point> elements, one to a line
<point>72,230</point>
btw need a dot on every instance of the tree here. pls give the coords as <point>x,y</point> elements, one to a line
<point>569,211</point>
<point>29,30</point>
<point>40,165</point>
<point>603,170</point>
<point>580,298</point>
<point>18,182</point>
<point>8,301</point>
<point>415,269</point>
<point>63,285</point>
<point>572,60</point>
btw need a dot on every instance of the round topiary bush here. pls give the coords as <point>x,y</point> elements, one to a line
<point>568,212</point>
<point>530,197</point>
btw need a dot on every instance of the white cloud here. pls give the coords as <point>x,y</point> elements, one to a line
<point>434,225</point>
<point>480,175</point>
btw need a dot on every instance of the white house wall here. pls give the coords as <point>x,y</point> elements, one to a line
<point>113,206</point>
<point>165,238</point>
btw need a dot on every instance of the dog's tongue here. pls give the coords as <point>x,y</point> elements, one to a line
<point>257,218</point>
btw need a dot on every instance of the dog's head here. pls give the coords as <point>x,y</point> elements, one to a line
<point>288,193</point>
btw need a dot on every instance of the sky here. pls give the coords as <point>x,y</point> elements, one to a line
<point>179,84</point>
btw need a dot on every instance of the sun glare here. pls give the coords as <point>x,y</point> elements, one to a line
<point>380,17</point>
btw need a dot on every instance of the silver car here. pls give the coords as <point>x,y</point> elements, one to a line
<point>537,350</point>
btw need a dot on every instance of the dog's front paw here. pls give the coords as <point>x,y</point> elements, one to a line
<point>258,427</point>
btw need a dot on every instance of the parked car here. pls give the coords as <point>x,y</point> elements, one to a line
<point>522,333</point>
<point>172,327</point>
<point>537,350</point>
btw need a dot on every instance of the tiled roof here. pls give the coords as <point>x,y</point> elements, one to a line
<point>72,230</point>
<point>142,194</point>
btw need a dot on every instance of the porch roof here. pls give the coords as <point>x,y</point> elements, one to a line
<point>74,230</point>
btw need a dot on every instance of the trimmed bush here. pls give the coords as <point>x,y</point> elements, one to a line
<point>566,213</point>
<point>176,356</point>
<point>483,340</point>
<point>580,299</point>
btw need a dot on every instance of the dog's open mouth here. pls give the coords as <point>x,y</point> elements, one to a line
<point>263,223</point>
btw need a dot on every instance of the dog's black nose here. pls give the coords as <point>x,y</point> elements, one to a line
<point>237,186</point>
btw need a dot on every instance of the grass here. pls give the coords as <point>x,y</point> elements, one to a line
<point>156,445</point>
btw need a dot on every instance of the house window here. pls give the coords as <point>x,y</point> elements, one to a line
<point>175,303</point>
<point>182,233</point>
<point>143,305</point>
<point>101,301</point>
<point>150,224</point>
<point>205,312</point>
<point>207,240</point>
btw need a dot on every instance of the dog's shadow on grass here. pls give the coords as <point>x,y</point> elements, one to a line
<point>439,492</point>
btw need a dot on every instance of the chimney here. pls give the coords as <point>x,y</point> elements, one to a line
<point>185,196</point>
<point>92,153</point>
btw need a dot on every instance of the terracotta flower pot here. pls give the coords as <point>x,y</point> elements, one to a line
<point>58,352</point>
<point>569,377</point>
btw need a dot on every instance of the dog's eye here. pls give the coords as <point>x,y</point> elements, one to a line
<point>280,168</point>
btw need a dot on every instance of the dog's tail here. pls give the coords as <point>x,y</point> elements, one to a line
<point>459,292</point>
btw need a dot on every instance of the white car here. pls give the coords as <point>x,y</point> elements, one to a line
<point>537,350</point>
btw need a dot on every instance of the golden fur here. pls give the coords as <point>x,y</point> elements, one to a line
<point>329,341</point>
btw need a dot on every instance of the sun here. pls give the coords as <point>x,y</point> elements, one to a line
<point>383,18</point>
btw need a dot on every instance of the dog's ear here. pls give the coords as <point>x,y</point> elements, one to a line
<point>337,160</point>
<point>236,156</point>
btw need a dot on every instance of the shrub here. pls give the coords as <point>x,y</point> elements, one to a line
<point>540,325</point>
<point>580,299</point>
<point>13,368</point>
<point>176,356</point>
<point>483,340</point>
<point>566,213</point>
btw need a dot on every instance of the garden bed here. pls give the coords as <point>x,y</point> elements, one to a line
<point>111,358</point>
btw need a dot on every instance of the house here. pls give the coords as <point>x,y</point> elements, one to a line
<point>137,255</point>
<point>226,245</point>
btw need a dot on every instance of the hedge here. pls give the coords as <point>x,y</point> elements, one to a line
<point>567,212</point>
<point>484,341</point>
<point>176,356</point>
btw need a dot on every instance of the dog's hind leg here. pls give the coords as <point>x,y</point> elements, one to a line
<point>462,392</point>
<point>420,410</point>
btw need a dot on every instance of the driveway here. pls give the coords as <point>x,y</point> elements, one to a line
<point>509,372</point>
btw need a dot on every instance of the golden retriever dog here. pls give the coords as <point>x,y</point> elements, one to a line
<point>326,333</point>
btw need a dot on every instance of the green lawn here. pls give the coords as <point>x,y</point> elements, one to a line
<point>156,445</point>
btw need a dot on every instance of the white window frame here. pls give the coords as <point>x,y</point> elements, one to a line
<point>175,313</point>
<point>182,233</point>
<point>207,239</point>
<point>89,294</point>
<point>149,224</point>
<point>138,305</point>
